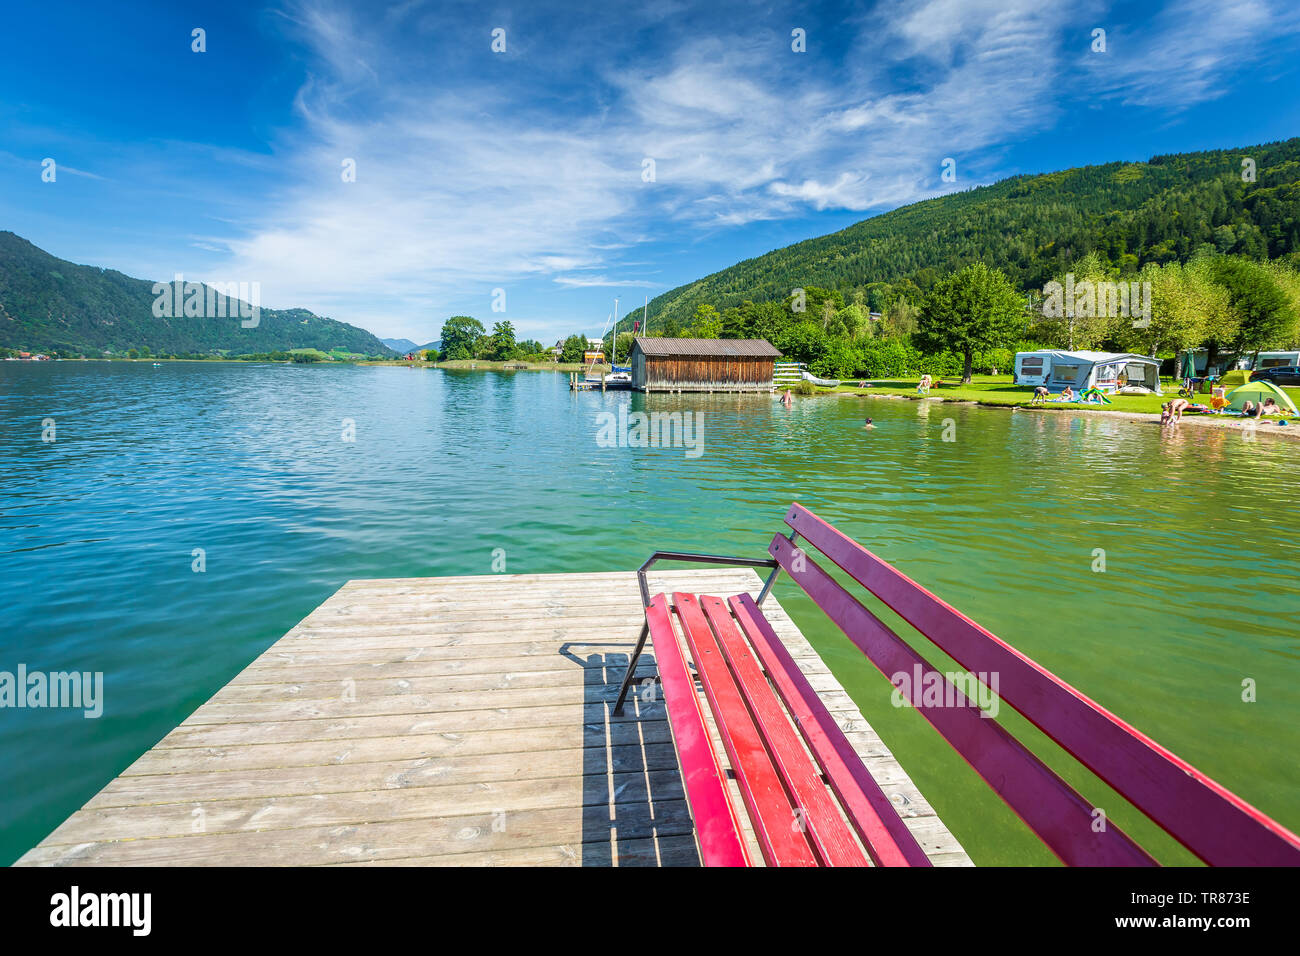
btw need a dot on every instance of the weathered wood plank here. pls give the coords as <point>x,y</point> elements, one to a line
<point>594,828</point>
<point>270,756</point>
<point>362,807</point>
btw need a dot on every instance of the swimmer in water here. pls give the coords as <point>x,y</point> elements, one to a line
<point>868,424</point>
<point>787,399</point>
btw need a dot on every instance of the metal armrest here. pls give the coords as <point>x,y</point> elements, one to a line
<point>694,558</point>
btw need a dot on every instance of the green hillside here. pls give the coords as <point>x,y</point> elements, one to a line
<point>1031,227</point>
<point>49,304</point>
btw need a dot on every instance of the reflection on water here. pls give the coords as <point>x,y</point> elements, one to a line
<point>97,531</point>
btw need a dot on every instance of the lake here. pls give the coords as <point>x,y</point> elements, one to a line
<point>1011,521</point>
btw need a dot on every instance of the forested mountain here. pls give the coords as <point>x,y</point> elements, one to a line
<point>1031,227</point>
<point>49,304</point>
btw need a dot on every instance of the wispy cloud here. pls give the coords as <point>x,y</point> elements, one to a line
<point>1190,52</point>
<point>461,192</point>
<point>594,282</point>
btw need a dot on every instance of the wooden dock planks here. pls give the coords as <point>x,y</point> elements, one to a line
<point>440,721</point>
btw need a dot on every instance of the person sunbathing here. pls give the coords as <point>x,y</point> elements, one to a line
<point>1068,395</point>
<point>1259,409</point>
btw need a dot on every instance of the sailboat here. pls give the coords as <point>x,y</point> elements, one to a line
<point>620,376</point>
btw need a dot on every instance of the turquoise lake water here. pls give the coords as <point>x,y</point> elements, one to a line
<point>248,463</point>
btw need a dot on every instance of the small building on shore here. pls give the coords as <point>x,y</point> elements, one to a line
<point>702,365</point>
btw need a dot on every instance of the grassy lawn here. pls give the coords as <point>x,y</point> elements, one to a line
<point>998,390</point>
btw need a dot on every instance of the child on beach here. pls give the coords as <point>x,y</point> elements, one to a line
<point>1172,412</point>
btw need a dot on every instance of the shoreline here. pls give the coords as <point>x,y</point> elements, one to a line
<point>1232,423</point>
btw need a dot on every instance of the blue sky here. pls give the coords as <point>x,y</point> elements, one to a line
<point>523,170</point>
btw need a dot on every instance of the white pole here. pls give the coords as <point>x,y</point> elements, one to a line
<point>613,343</point>
<point>645,316</point>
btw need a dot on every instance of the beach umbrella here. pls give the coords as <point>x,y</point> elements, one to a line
<point>1189,366</point>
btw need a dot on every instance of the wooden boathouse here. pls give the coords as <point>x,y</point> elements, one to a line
<point>702,365</point>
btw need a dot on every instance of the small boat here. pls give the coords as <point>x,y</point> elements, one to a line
<point>619,378</point>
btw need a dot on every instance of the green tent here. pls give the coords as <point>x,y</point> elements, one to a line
<point>1189,366</point>
<point>1258,391</point>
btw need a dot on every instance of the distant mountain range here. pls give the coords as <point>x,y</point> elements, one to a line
<point>405,346</point>
<point>50,304</point>
<point>1244,201</point>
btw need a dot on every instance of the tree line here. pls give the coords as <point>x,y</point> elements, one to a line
<point>975,318</point>
<point>464,337</point>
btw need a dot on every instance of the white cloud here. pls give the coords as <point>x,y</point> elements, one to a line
<point>1190,52</point>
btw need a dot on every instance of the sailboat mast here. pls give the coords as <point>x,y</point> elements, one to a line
<point>613,343</point>
<point>645,316</point>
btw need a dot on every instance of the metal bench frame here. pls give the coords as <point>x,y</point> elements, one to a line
<point>694,558</point>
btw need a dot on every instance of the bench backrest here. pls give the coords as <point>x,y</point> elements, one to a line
<point>1213,823</point>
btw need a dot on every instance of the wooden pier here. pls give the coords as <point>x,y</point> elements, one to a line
<point>452,721</point>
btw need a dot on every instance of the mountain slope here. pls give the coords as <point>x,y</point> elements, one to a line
<point>1032,227</point>
<point>47,303</point>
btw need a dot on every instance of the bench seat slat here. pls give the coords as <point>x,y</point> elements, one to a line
<point>716,828</point>
<point>826,827</point>
<point>887,838</point>
<point>1211,821</point>
<point>1045,802</point>
<point>770,809</point>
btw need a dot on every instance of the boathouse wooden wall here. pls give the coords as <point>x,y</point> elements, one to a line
<point>701,373</point>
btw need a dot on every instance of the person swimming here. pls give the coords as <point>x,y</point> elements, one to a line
<point>868,424</point>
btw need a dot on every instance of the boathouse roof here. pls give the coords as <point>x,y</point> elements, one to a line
<point>702,348</point>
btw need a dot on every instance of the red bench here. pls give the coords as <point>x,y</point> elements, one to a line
<point>807,794</point>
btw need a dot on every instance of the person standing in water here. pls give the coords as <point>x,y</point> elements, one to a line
<point>787,399</point>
